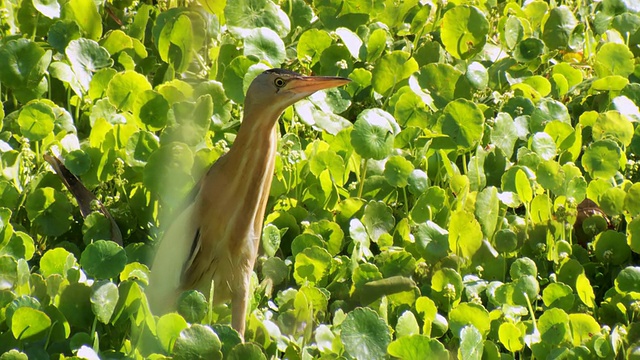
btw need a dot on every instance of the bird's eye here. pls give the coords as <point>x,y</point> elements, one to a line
<point>279,82</point>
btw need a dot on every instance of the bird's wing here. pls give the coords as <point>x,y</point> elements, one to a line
<point>177,248</point>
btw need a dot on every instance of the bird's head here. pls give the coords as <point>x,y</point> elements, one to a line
<point>277,89</point>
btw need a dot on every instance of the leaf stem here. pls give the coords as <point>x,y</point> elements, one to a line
<point>35,26</point>
<point>363,173</point>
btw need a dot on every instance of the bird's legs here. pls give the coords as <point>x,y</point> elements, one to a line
<point>239,304</point>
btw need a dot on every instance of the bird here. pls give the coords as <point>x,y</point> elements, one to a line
<point>216,237</point>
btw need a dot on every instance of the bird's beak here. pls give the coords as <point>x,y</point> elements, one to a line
<point>311,84</point>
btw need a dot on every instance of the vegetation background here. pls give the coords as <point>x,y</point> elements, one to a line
<point>433,208</point>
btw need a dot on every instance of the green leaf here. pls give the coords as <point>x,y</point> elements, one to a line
<point>463,122</point>
<point>8,272</point>
<point>378,219</point>
<point>14,355</point>
<point>553,325</point>
<point>613,125</point>
<point>614,59</point>
<point>558,27</point>
<point>550,176</point>
<point>311,44</point>
<point>612,201</point>
<point>36,120</point>
<point>20,64</point>
<point>175,159</point>
<point>84,13</point>
<point>103,259</point>
<point>192,305</point>
<point>124,87</point>
<point>247,351</point>
<point>376,44</point>
<point>522,267</point>
<point>373,134</point>
<point>528,50</point>
<point>417,347</point>
<point>407,325</point>
<point>506,240</point>
<point>351,40</point>
<point>87,57</point>
<point>29,324</point>
<point>432,241</point>
<point>444,83</point>
<point>169,328</point>
<point>61,33</point>
<point>464,31</point>
<point>197,342</point>
<point>244,15</point>
<point>365,335</point>
<point>390,69</point>
<point>513,31</point>
<point>151,110</point>
<point>49,211</point>
<point>487,210</point>
<point>75,305</point>
<point>558,295</point>
<point>446,286</point>
<point>543,145</point>
<point>397,170</point>
<point>104,297</point>
<point>611,247</point>
<point>465,234</point>
<point>48,8</point>
<point>602,159</point>
<point>264,43</point>
<point>56,261</point>
<point>583,328</point>
<point>477,75</point>
<point>469,314</point>
<point>312,265</point>
<point>176,41</point>
<point>628,280</point>
<point>471,343</point>
<point>632,199</point>
<point>523,186</point>
<point>548,110</point>
<point>511,337</point>
<point>96,227</point>
<point>270,239</point>
<point>233,79</point>
<point>610,83</point>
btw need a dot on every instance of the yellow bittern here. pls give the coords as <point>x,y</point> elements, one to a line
<point>218,235</point>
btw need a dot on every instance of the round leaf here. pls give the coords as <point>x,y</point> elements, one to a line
<point>103,259</point>
<point>463,122</point>
<point>469,314</point>
<point>373,134</point>
<point>49,211</point>
<point>104,297</point>
<point>244,15</point>
<point>36,120</point>
<point>197,342</point>
<point>265,43</point>
<point>614,59</point>
<point>365,335</point>
<point>391,69</point>
<point>464,31</point>
<point>124,88</point>
<point>169,328</point>
<point>602,159</point>
<point>29,324</point>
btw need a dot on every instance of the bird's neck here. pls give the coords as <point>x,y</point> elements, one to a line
<point>256,136</point>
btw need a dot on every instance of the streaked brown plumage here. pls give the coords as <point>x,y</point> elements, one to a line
<point>218,235</point>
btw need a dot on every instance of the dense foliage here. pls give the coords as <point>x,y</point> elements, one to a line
<point>433,208</point>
